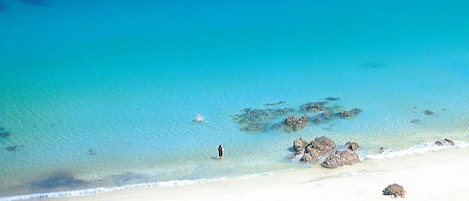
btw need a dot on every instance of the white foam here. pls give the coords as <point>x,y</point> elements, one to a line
<point>417,149</point>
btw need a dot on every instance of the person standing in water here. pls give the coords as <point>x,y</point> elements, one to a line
<point>220,152</point>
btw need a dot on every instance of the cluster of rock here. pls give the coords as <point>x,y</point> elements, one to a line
<point>259,120</point>
<point>293,123</point>
<point>394,190</point>
<point>322,147</point>
<point>4,134</point>
<point>445,142</point>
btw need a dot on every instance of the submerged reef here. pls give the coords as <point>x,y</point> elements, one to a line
<point>261,120</point>
<point>256,120</point>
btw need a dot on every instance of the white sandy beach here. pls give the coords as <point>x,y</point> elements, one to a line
<point>438,175</point>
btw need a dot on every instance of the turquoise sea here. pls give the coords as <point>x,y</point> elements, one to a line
<point>100,96</point>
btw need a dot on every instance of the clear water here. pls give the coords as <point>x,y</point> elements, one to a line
<point>103,94</point>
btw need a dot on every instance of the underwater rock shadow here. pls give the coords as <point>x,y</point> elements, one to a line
<point>35,2</point>
<point>56,181</point>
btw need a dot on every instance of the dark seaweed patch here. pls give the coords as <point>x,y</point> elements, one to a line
<point>58,180</point>
<point>2,129</point>
<point>276,103</point>
<point>428,112</point>
<point>4,134</point>
<point>91,152</point>
<point>414,121</point>
<point>14,148</point>
<point>332,98</point>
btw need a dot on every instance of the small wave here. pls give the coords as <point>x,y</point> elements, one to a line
<point>92,191</point>
<point>417,149</point>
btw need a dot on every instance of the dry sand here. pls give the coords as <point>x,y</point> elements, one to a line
<point>438,175</point>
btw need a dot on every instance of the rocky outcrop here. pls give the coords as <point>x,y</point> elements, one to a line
<point>445,142</point>
<point>339,159</point>
<point>293,123</point>
<point>324,144</point>
<point>349,113</point>
<point>349,157</point>
<point>299,145</point>
<point>314,106</point>
<point>394,190</point>
<point>313,155</point>
<point>352,146</point>
<point>313,151</point>
<point>332,161</point>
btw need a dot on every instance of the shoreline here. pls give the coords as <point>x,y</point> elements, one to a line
<point>433,175</point>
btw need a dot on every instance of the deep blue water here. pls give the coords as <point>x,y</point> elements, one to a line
<point>103,94</point>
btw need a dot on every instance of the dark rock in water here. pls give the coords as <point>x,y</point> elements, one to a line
<point>277,103</point>
<point>355,111</point>
<point>394,190</point>
<point>415,121</point>
<point>313,106</point>
<point>299,145</point>
<point>324,144</point>
<point>382,149</point>
<point>349,113</point>
<point>14,148</point>
<point>2,129</point>
<point>4,134</point>
<point>445,142</point>
<point>332,99</point>
<point>344,113</point>
<point>428,112</point>
<point>352,146</point>
<point>91,152</point>
<point>293,123</point>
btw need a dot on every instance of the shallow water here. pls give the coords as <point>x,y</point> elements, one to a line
<point>104,94</point>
